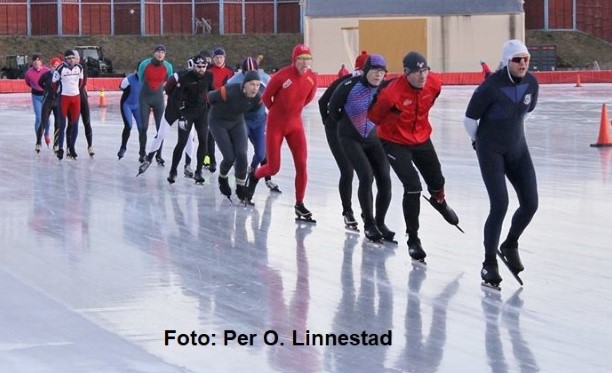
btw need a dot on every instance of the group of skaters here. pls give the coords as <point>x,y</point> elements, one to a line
<point>60,89</point>
<point>372,125</point>
<point>222,107</point>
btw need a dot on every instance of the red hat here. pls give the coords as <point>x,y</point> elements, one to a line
<point>55,60</point>
<point>360,60</point>
<point>300,50</point>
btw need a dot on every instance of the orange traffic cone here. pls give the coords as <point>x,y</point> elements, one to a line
<point>578,81</point>
<point>102,99</point>
<point>604,135</point>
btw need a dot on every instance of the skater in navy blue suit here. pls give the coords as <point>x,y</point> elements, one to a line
<point>495,122</point>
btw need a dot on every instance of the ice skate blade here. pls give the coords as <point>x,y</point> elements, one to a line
<point>488,285</point>
<point>421,262</point>
<point>352,228</point>
<point>515,275</point>
<point>390,241</point>
<point>378,243</point>
<point>458,227</point>
<point>305,220</point>
<point>247,203</point>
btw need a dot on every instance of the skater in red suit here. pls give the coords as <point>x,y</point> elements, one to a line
<point>289,90</point>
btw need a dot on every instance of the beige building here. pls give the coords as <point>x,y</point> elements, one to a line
<point>453,35</point>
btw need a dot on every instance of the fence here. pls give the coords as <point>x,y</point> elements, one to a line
<point>148,17</point>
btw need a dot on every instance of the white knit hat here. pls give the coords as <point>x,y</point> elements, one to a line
<point>513,48</point>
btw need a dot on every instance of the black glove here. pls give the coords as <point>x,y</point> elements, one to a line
<point>474,144</point>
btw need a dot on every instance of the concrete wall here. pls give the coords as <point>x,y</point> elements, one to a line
<point>454,43</point>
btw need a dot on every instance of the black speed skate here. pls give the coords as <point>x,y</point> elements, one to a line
<point>251,184</point>
<point>188,172</point>
<point>508,253</point>
<point>172,177</point>
<point>349,221</point>
<point>372,233</point>
<point>224,188</point>
<point>446,211</point>
<point>121,152</point>
<point>143,167</point>
<point>302,214</point>
<point>387,234</point>
<point>160,161</point>
<point>416,252</point>
<point>272,186</point>
<point>243,195</point>
<point>198,178</point>
<point>71,154</point>
<point>490,275</point>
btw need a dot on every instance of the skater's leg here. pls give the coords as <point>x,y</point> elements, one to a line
<point>296,140</point>
<point>223,140</point>
<point>492,170</point>
<point>345,183</point>
<point>183,136</point>
<point>521,174</point>
<point>86,117</point>
<point>239,142</point>
<point>37,102</point>
<point>356,155</point>
<point>257,137</point>
<point>202,133</point>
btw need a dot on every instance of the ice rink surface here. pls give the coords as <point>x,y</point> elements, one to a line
<point>97,267</point>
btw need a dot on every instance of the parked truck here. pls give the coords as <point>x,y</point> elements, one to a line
<point>15,67</point>
<point>97,65</point>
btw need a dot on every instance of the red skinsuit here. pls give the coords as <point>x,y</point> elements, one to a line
<point>285,96</point>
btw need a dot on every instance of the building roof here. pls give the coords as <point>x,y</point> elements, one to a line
<point>370,8</point>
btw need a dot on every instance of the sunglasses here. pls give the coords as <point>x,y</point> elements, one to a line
<point>519,59</point>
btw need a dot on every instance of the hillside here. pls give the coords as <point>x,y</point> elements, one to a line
<point>575,50</point>
<point>126,51</point>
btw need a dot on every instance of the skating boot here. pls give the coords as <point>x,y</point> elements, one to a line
<point>37,148</point>
<point>272,186</point>
<point>388,234</point>
<point>159,159</point>
<point>121,152</point>
<point>252,184</point>
<point>198,178</point>
<point>172,176</point>
<point>243,195</point>
<point>143,166</point>
<point>212,167</point>
<point>59,153</point>
<point>445,210</point>
<point>415,250</point>
<point>302,213</point>
<point>508,251</point>
<point>71,154</point>
<point>490,275</point>
<point>188,172</point>
<point>224,187</point>
<point>47,140</point>
<point>372,233</point>
<point>91,151</point>
<point>349,221</point>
